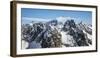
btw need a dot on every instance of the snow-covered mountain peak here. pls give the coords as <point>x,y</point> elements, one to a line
<point>62,31</point>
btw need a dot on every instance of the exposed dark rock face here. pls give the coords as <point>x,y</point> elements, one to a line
<point>69,24</point>
<point>53,22</point>
<point>51,39</point>
<point>78,35</point>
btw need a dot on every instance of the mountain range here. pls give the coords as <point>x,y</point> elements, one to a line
<point>56,34</point>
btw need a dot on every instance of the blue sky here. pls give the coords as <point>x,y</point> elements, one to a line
<point>50,14</point>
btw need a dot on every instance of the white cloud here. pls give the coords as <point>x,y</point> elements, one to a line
<point>63,19</point>
<point>34,19</point>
